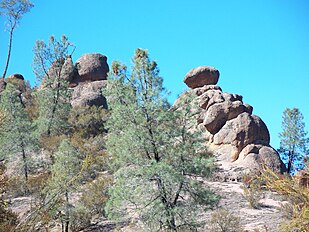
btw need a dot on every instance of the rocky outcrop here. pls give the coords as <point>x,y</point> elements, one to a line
<point>239,139</point>
<point>86,78</point>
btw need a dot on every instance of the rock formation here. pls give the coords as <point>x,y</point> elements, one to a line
<point>86,78</point>
<point>238,139</point>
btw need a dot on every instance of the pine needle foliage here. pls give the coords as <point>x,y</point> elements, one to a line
<point>17,138</point>
<point>155,160</point>
<point>294,143</point>
<point>54,96</point>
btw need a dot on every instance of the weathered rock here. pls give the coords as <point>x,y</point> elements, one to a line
<point>253,156</point>
<point>200,76</point>
<point>249,108</point>
<point>218,114</point>
<point>16,76</point>
<point>243,130</point>
<point>238,139</point>
<point>68,70</point>
<point>199,91</point>
<point>209,98</point>
<point>2,85</point>
<point>216,117</point>
<point>89,94</point>
<point>91,67</point>
<point>232,97</point>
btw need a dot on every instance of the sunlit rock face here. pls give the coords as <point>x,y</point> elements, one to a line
<point>238,138</point>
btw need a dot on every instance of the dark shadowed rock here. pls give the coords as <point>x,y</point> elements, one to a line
<point>200,76</point>
<point>91,67</point>
<point>249,108</point>
<point>16,76</point>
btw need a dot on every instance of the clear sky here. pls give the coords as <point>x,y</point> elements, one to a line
<point>261,47</point>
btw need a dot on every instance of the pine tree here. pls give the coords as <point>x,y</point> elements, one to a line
<point>13,10</point>
<point>65,173</point>
<point>154,157</point>
<point>54,96</point>
<point>17,138</point>
<point>294,142</point>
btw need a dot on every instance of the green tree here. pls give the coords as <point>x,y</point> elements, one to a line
<point>17,130</point>
<point>54,96</point>
<point>293,139</point>
<point>154,156</point>
<point>13,10</point>
<point>65,175</point>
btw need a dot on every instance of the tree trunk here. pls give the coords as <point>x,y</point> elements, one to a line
<point>25,162</point>
<point>9,50</point>
<point>67,217</point>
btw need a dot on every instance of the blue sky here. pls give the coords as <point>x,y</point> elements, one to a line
<point>261,47</point>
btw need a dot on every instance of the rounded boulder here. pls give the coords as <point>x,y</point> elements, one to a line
<point>92,67</point>
<point>200,76</point>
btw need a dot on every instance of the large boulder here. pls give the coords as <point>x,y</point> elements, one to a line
<point>200,76</point>
<point>256,155</point>
<point>16,76</point>
<point>218,114</point>
<point>89,94</point>
<point>243,130</point>
<point>91,67</point>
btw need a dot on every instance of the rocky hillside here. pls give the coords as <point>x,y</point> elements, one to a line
<point>238,138</point>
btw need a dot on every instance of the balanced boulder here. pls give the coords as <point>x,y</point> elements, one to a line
<point>238,139</point>
<point>200,76</point>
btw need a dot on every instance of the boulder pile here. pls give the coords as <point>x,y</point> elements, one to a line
<point>238,138</point>
<point>88,79</point>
